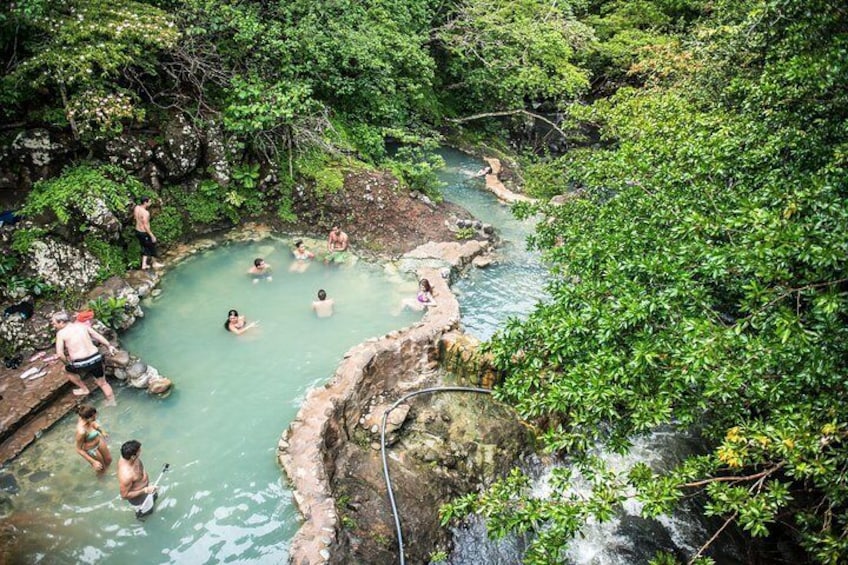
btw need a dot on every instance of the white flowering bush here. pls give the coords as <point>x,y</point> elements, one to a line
<point>90,49</point>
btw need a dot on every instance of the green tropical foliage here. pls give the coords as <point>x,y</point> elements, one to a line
<point>701,283</point>
<point>82,191</point>
<point>699,262</point>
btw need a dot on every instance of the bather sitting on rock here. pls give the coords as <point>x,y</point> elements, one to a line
<point>337,244</point>
<point>237,324</point>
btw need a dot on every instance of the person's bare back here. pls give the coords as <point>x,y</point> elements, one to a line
<point>142,219</point>
<point>323,307</point>
<point>76,340</point>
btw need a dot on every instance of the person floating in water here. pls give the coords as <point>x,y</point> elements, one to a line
<point>323,307</point>
<point>424,299</point>
<point>302,257</point>
<point>82,357</point>
<point>91,439</point>
<point>237,324</point>
<point>145,236</point>
<point>260,270</point>
<point>337,244</point>
<point>133,480</point>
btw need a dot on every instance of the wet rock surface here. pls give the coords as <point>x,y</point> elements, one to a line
<point>450,444</point>
<point>439,447</point>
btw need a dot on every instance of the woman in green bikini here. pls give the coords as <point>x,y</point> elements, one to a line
<point>91,439</point>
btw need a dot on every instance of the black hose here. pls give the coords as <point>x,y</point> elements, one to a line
<point>383,449</point>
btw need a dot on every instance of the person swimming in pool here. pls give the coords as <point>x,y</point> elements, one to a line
<point>91,439</point>
<point>237,324</point>
<point>260,270</point>
<point>302,257</point>
<point>323,307</point>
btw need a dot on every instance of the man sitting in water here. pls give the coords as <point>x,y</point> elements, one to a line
<point>260,270</point>
<point>337,244</point>
<point>82,356</point>
<point>133,480</point>
<point>323,307</point>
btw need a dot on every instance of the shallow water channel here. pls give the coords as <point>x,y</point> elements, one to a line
<point>510,288</point>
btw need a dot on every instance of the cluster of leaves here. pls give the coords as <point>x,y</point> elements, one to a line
<point>416,166</point>
<point>13,284</point>
<point>111,311</point>
<point>112,256</point>
<point>81,50</point>
<point>701,281</point>
<point>81,192</point>
<point>499,53</point>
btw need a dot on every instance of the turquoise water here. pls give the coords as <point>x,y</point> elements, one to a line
<point>488,297</point>
<point>225,498</point>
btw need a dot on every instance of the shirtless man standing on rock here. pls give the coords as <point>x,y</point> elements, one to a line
<point>132,478</point>
<point>82,358</point>
<point>145,237</point>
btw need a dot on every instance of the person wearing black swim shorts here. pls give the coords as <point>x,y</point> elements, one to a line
<point>145,237</point>
<point>82,358</point>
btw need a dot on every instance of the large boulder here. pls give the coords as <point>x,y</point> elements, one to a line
<point>216,155</point>
<point>128,151</point>
<point>100,217</point>
<point>180,153</point>
<point>63,266</point>
<point>40,151</point>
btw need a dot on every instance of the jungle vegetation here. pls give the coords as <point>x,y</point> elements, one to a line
<point>699,259</point>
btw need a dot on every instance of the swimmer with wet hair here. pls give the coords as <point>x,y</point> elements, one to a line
<point>237,324</point>
<point>133,480</point>
<point>423,300</point>
<point>90,439</point>
<point>323,307</point>
<point>302,257</point>
<point>260,270</point>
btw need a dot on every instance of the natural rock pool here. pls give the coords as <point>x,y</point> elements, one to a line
<point>225,498</point>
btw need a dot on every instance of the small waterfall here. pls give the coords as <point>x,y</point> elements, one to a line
<point>626,539</point>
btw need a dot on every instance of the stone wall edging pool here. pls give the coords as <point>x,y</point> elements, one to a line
<point>306,448</point>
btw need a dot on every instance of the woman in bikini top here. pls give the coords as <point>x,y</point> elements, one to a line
<point>90,439</point>
<point>425,293</point>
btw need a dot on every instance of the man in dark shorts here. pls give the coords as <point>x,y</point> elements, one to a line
<point>144,235</point>
<point>82,358</point>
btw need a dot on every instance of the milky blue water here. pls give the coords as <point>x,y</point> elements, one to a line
<point>488,297</point>
<point>225,498</point>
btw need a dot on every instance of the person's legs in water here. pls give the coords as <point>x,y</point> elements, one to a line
<point>104,454</point>
<point>99,375</point>
<point>106,388</point>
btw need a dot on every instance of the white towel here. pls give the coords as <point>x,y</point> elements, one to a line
<point>29,372</point>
